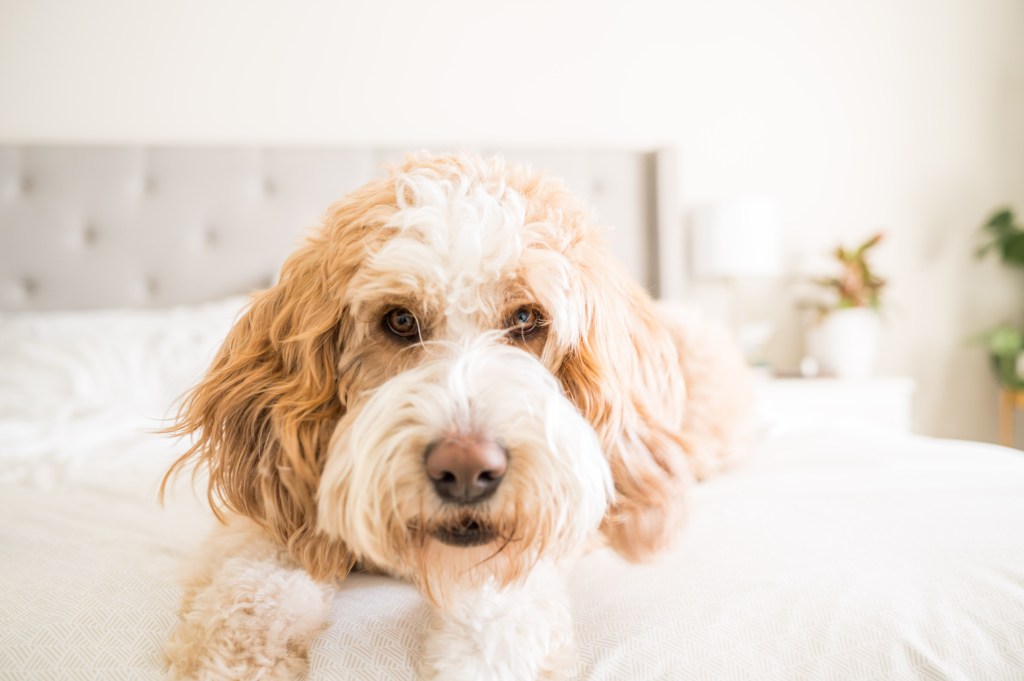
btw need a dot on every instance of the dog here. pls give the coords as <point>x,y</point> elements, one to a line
<point>454,383</point>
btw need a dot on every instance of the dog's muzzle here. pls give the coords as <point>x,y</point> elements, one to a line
<point>476,445</point>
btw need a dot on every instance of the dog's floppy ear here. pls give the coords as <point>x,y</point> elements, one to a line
<point>263,413</point>
<point>623,375</point>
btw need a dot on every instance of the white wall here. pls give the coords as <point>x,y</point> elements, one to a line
<point>906,115</point>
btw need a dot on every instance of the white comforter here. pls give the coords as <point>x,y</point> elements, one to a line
<point>829,555</point>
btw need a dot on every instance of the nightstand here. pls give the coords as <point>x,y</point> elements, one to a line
<point>884,402</point>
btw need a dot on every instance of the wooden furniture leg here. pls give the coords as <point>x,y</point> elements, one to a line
<point>1006,408</point>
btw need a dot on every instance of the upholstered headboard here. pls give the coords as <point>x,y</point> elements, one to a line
<point>89,227</point>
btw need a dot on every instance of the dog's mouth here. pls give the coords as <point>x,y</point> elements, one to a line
<point>466,532</point>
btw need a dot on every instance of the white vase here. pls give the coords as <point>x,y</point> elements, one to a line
<point>845,342</point>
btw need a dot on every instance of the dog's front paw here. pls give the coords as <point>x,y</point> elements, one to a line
<point>253,624</point>
<point>519,633</point>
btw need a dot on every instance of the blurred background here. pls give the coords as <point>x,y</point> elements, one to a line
<point>901,117</point>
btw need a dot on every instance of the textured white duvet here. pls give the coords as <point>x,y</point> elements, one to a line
<point>830,555</point>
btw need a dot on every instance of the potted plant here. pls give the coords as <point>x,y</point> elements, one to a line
<point>1006,342</point>
<point>844,336</point>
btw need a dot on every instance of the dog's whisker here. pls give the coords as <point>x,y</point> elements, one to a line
<point>501,548</point>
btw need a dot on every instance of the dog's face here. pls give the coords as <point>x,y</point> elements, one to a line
<point>458,447</point>
<point>443,384</point>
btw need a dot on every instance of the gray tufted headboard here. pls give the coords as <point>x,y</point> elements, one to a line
<point>89,227</point>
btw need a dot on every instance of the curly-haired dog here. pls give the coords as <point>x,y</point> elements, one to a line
<point>452,383</point>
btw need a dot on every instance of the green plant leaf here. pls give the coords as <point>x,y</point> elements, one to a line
<point>869,244</point>
<point>1007,237</point>
<point>1005,341</point>
<point>983,250</point>
<point>1001,221</point>
<point>1013,249</point>
<point>856,285</point>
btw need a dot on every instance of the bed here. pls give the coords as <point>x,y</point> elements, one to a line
<point>851,553</point>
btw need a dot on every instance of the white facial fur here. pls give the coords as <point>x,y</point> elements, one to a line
<point>462,250</point>
<point>461,244</point>
<point>554,493</point>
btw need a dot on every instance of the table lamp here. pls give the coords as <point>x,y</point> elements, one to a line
<point>734,240</point>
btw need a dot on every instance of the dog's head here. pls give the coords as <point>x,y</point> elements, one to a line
<point>444,383</point>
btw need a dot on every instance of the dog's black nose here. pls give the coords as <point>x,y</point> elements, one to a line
<point>466,469</point>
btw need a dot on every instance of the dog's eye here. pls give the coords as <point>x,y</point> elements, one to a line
<point>524,321</point>
<point>401,323</point>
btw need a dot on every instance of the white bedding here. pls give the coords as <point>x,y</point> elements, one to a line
<point>829,555</point>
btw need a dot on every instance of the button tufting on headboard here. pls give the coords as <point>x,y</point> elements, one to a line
<point>210,237</point>
<point>27,288</point>
<point>107,226</point>
<point>89,235</point>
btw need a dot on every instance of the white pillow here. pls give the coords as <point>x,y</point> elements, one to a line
<point>75,385</point>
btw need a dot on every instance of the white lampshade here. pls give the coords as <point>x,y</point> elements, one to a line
<point>735,239</point>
